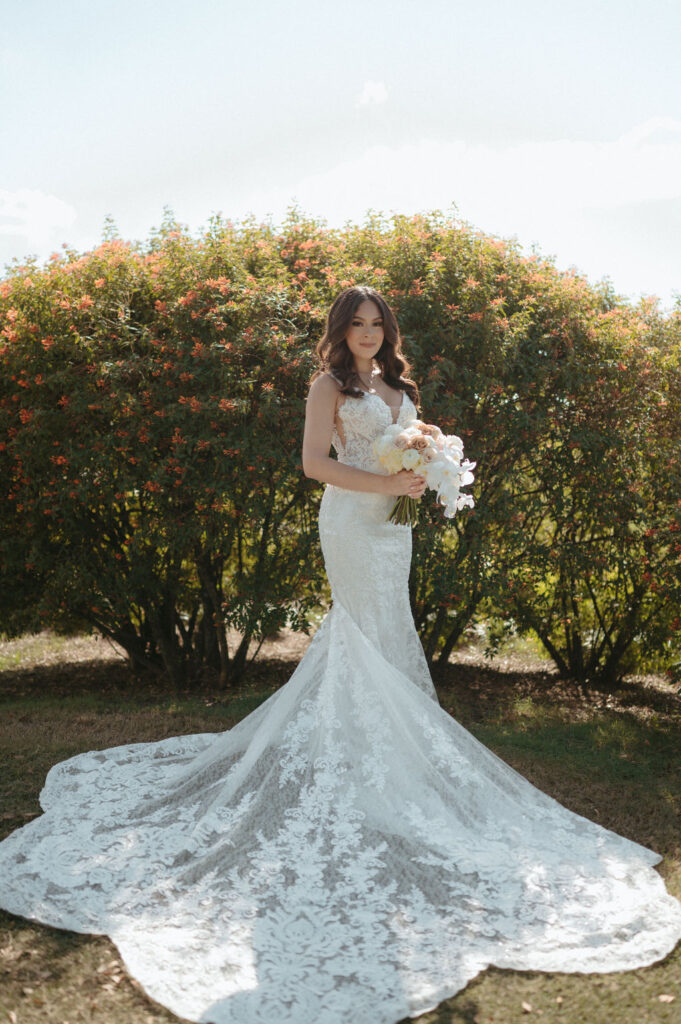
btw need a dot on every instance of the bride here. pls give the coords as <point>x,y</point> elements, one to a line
<point>348,852</point>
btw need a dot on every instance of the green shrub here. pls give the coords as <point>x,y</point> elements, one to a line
<point>151,417</point>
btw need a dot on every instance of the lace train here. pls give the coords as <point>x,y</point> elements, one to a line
<point>346,853</point>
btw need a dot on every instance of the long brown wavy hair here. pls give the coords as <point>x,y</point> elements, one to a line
<point>335,356</point>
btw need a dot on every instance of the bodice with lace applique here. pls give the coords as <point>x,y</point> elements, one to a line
<point>361,421</point>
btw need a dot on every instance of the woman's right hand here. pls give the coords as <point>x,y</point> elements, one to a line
<point>405,482</point>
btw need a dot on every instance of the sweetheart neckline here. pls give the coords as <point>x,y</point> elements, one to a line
<point>391,407</point>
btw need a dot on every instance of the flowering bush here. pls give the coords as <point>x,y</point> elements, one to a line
<point>151,461</point>
<point>598,581</point>
<point>151,413</point>
<point>520,360</point>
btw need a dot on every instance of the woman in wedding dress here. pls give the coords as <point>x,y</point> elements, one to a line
<point>348,852</point>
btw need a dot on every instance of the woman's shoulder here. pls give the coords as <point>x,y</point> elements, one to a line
<point>324,391</point>
<point>326,383</point>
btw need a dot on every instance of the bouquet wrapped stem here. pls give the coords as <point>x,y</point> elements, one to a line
<point>405,511</point>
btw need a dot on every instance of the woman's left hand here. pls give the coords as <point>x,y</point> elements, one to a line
<point>418,487</point>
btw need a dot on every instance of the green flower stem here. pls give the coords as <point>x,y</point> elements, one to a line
<point>405,511</point>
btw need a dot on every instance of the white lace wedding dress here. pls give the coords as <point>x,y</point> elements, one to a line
<point>346,853</point>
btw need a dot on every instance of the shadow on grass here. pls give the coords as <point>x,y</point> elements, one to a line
<point>55,944</point>
<point>102,684</point>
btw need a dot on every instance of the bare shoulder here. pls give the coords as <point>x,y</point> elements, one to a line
<point>324,389</point>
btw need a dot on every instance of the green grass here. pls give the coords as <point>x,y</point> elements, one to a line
<point>612,758</point>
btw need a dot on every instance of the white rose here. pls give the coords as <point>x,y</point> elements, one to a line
<point>393,461</point>
<point>411,459</point>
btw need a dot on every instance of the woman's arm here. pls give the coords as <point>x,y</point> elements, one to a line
<point>318,464</point>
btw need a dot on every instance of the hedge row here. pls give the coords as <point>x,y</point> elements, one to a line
<point>151,411</point>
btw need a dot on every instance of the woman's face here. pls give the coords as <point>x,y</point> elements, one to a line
<point>365,334</point>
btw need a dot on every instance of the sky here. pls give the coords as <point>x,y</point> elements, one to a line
<point>556,124</point>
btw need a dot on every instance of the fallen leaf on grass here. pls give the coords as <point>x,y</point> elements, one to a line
<point>11,953</point>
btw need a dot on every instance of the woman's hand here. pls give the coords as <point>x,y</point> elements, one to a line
<point>405,482</point>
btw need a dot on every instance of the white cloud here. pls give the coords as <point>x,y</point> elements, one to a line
<point>660,126</point>
<point>582,201</point>
<point>372,93</point>
<point>34,217</point>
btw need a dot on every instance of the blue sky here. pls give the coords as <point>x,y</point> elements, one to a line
<point>555,123</point>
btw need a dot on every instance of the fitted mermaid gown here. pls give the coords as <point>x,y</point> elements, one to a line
<point>346,853</point>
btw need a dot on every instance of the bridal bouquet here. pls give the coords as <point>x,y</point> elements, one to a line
<point>423,448</point>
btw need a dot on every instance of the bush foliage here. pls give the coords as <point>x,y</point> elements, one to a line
<point>151,410</point>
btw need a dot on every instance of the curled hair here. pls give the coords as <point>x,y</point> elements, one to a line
<point>336,358</point>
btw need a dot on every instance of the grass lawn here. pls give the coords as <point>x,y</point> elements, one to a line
<point>614,759</point>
